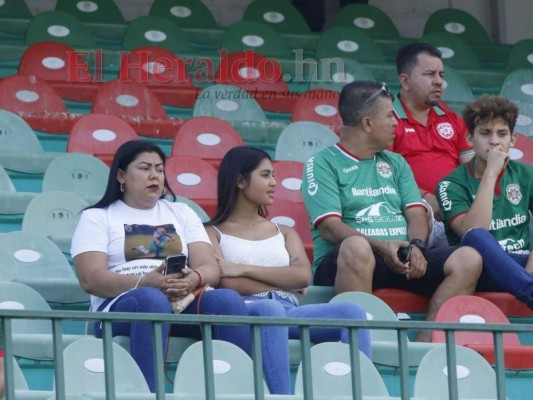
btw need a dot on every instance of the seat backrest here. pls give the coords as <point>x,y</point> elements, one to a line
<point>6,184</point>
<point>281,15</point>
<point>289,180</point>
<point>455,51</point>
<point>154,66</point>
<point>17,296</point>
<point>22,93</point>
<point>368,18</point>
<point>331,373</point>
<point>29,255</point>
<point>208,138</point>
<point>54,61</point>
<point>100,135</point>
<point>520,55</point>
<point>97,11</point>
<point>256,36</point>
<point>472,309</point>
<point>456,89</point>
<point>61,27</point>
<point>78,173</point>
<point>301,140</point>
<point>155,31</point>
<point>195,206</point>
<point>85,368</point>
<point>228,103</point>
<point>15,9</point>
<point>334,73</point>
<point>376,309</point>
<point>232,368</point>
<point>252,72</point>
<point>16,135</point>
<point>54,215</point>
<point>459,23</point>
<point>475,377</point>
<point>128,99</point>
<point>194,178</point>
<point>518,85</point>
<point>523,148</point>
<point>184,13</point>
<point>348,42</point>
<point>319,105</point>
<point>293,214</point>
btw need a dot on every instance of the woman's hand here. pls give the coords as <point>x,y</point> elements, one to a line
<point>229,269</point>
<point>181,284</point>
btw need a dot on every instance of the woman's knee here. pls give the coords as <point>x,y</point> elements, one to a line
<point>347,310</point>
<point>266,308</point>
<point>148,300</point>
<point>222,302</point>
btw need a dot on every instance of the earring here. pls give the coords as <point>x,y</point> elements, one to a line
<point>122,187</point>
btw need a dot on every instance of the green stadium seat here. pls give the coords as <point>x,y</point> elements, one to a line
<point>197,209</point>
<point>455,52</point>
<point>156,31</point>
<point>78,173</point>
<point>334,73</point>
<point>184,13</point>
<point>54,215</point>
<point>32,338</point>
<point>15,17</point>
<point>331,374</point>
<point>524,125</point>
<point>300,140</point>
<point>102,17</point>
<point>281,15</point>
<point>475,377</point>
<point>457,93</point>
<point>60,27</point>
<point>11,201</point>
<point>36,261</point>
<point>232,372</point>
<point>385,347</point>
<point>518,85</point>
<point>521,55</point>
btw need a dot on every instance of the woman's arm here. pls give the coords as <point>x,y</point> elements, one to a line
<point>247,279</point>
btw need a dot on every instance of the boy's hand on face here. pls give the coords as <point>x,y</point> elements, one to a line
<point>496,160</point>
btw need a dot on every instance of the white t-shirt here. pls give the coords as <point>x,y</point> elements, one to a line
<point>136,241</point>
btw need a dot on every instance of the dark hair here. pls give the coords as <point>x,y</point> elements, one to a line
<point>237,163</point>
<point>124,156</point>
<point>406,58</point>
<point>489,107</point>
<point>359,97</point>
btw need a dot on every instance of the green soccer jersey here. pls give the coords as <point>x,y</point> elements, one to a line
<point>513,198</point>
<point>368,195</point>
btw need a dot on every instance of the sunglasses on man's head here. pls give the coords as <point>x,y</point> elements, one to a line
<point>383,89</point>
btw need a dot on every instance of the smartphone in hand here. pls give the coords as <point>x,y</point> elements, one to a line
<point>175,263</point>
<point>404,254</point>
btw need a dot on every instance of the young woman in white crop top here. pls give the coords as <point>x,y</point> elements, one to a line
<point>266,263</point>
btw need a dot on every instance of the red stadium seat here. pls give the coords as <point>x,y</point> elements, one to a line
<point>261,76</point>
<point>37,102</point>
<point>195,179</point>
<point>403,301</point>
<point>208,138</point>
<point>474,309</point>
<point>62,67</point>
<point>288,176</point>
<point>163,72</point>
<point>137,105</point>
<point>294,215</point>
<point>319,105</point>
<point>100,135</point>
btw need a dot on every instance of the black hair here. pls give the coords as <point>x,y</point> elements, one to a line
<point>124,156</point>
<point>406,58</point>
<point>237,163</point>
<point>358,98</point>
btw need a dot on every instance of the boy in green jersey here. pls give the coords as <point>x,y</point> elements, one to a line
<point>486,202</point>
<point>365,207</point>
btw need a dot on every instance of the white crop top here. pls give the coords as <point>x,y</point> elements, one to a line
<point>269,252</point>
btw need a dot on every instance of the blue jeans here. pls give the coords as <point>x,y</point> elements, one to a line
<point>274,339</point>
<point>152,300</point>
<point>502,271</point>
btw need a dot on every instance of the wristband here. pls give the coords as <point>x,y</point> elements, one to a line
<point>199,278</point>
<point>138,281</point>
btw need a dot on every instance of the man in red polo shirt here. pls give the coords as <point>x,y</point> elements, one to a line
<point>429,135</point>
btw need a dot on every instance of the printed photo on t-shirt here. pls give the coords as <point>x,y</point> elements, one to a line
<point>149,241</point>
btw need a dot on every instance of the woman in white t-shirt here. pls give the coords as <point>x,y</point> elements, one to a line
<point>266,262</point>
<point>111,249</point>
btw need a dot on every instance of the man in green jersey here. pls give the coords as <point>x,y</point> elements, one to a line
<point>486,202</point>
<point>365,207</point>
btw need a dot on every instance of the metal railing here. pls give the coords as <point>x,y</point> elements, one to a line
<point>206,321</point>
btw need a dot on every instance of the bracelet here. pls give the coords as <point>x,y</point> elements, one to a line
<point>424,192</point>
<point>199,278</point>
<point>138,281</point>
